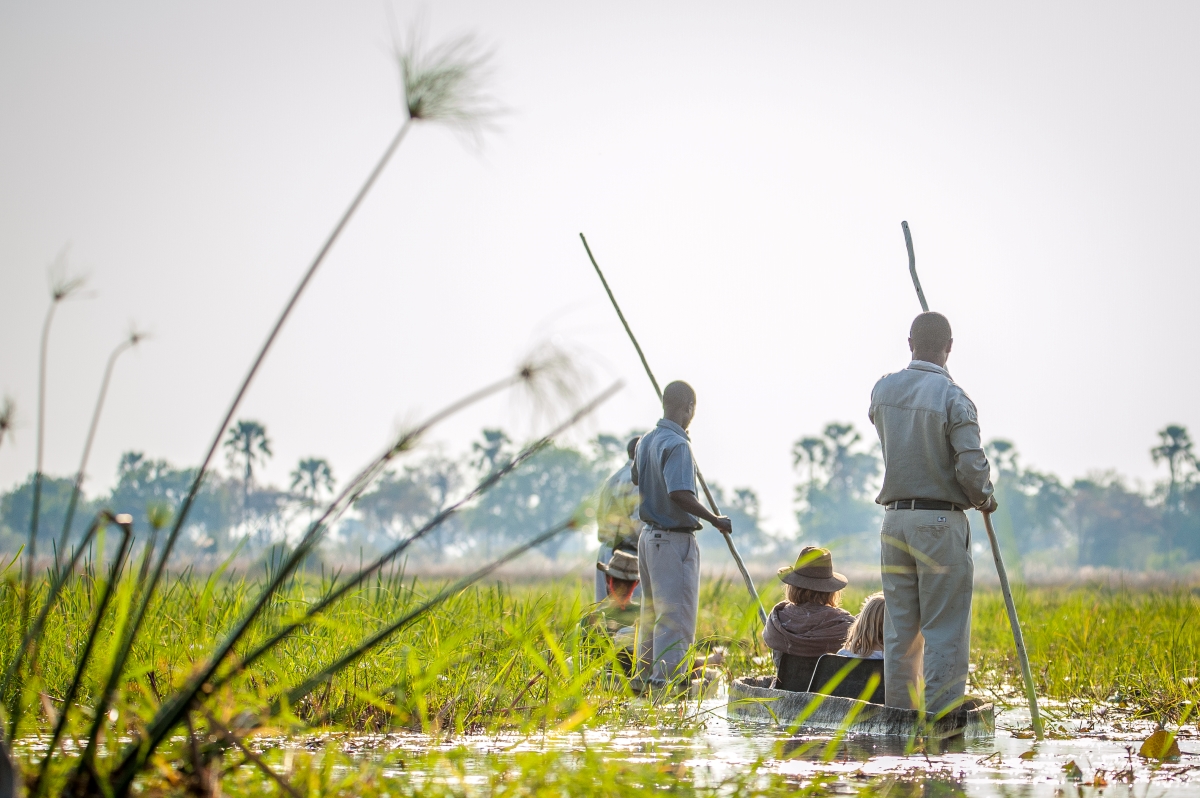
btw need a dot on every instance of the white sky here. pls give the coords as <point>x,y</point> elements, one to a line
<point>741,172</point>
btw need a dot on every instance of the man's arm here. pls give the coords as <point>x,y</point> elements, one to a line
<point>970,463</point>
<point>687,501</point>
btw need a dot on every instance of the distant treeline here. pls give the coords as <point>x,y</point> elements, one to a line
<point>1099,520</point>
<point>237,511</point>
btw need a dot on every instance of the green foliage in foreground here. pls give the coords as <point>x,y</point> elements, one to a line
<point>511,658</point>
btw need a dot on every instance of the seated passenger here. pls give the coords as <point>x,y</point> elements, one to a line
<point>809,622</point>
<point>865,638</point>
<point>617,615</point>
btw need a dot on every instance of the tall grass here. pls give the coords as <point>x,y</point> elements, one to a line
<point>512,657</point>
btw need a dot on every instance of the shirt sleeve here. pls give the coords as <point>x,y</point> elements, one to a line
<point>679,472</point>
<point>970,463</point>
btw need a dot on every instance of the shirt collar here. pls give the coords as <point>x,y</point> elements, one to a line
<point>925,365</point>
<point>667,423</point>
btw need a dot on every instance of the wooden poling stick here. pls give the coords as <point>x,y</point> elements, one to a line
<point>737,558</point>
<point>1022,655</point>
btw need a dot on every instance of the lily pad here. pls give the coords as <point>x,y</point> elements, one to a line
<point>1072,771</point>
<point>1029,754</point>
<point>1160,745</point>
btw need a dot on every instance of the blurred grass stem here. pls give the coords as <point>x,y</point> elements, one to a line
<point>131,341</point>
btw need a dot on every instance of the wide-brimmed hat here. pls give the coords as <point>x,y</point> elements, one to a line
<point>813,570</point>
<point>623,565</point>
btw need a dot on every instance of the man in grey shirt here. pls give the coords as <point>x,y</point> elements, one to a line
<point>934,469</point>
<point>668,557</point>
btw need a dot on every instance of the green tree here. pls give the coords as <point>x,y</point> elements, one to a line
<point>837,502</point>
<point>1114,525</point>
<point>1175,449</point>
<point>1033,506</point>
<point>543,491</point>
<point>246,443</point>
<point>312,478</point>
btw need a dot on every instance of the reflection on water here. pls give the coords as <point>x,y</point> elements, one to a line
<point>721,749</point>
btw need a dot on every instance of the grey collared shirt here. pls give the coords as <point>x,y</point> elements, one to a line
<point>662,465</point>
<point>929,430</point>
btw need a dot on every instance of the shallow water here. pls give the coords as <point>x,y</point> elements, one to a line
<point>1104,753</point>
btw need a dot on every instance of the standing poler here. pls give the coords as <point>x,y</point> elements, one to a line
<point>934,469</point>
<point>668,556</point>
<point>617,523</point>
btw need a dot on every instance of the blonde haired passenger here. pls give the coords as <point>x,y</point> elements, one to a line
<point>865,638</point>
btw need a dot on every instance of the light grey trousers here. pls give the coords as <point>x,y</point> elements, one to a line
<point>927,580</point>
<point>669,565</point>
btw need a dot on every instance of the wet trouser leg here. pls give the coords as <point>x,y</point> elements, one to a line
<point>669,564</point>
<point>927,579</point>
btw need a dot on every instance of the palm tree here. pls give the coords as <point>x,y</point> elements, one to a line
<point>1176,449</point>
<point>247,441</point>
<point>312,478</point>
<point>812,450</point>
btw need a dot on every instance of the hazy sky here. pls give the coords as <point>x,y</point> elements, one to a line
<point>741,171</point>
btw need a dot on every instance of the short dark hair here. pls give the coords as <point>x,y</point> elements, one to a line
<point>930,332</point>
<point>678,394</point>
<point>631,447</point>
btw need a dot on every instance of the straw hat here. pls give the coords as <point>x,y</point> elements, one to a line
<point>623,565</point>
<point>813,570</point>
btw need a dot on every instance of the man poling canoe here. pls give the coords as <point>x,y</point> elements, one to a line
<point>934,469</point>
<point>668,555</point>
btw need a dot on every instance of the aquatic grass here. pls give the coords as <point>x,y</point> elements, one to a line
<point>490,658</point>
<point>1134,651</point>
<point>174,709</point>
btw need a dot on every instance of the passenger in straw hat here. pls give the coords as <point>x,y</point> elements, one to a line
<point>809,622</point>
<point>617,615</point>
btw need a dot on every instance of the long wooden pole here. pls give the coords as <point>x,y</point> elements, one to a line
<point>1022,655</point>
<point>737,558</point>
<point>1035,717</point>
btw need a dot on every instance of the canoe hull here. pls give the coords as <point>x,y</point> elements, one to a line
<point>750,698</point>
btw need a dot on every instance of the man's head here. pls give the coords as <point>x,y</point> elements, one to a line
<point>679,403</point>
<point>930,339</point>
<point>631,447</point>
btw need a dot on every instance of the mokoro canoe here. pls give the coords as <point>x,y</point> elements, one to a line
<point>751,698</point>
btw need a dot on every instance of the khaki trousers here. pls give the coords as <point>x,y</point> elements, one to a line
<point>669,566</point>
<point>927,581</point>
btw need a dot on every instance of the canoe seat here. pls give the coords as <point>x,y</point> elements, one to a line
<point>855,681</point>
<point>794,673</point>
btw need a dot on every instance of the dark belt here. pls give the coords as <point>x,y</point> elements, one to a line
<point>921,504</point>
<point>686,529</point>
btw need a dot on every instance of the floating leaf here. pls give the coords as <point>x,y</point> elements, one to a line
<point>1160,745</point>
<point>1030,754</point>
<point>1072,771</point>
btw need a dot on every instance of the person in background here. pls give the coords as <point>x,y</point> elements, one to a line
<point>809,622</point>
<point>865,638</point>
<point>617,614</point>
<point>617,521</point>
